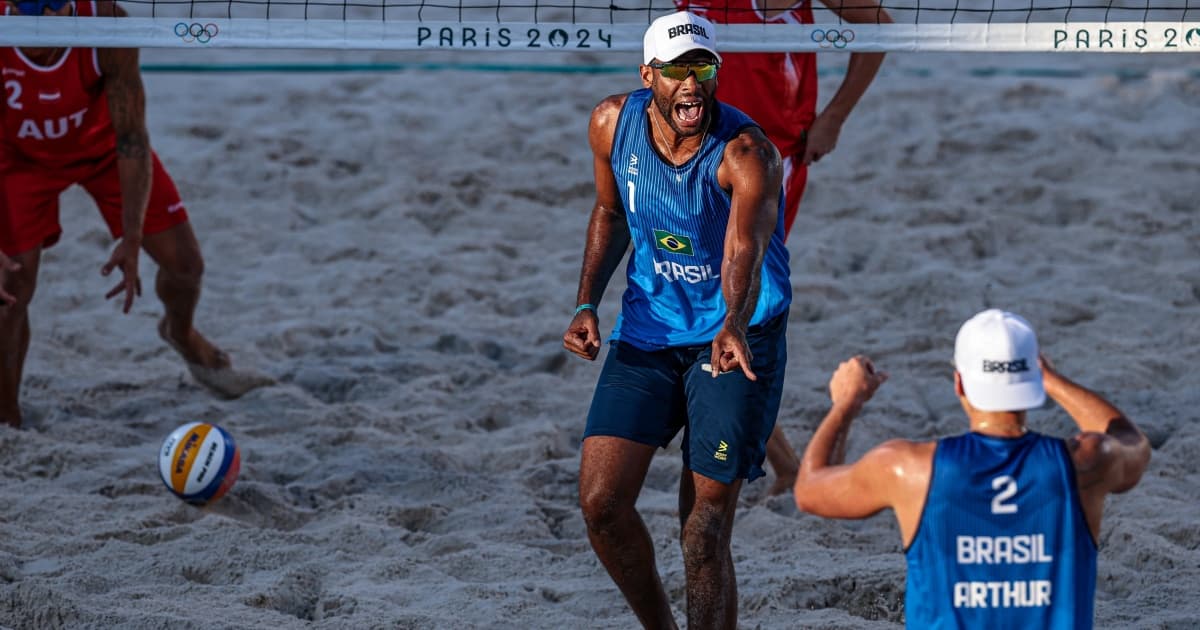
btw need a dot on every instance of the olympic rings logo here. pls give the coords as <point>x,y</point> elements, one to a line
<point>196,32</point>
<point>833,37</point>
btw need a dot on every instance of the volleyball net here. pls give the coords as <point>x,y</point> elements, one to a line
<point>603,26</point>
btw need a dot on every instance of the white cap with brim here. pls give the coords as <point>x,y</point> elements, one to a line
<point>672,35</point>
<point>996,355</point>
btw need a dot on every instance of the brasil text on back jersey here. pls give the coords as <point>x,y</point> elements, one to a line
<point>1002,541</point>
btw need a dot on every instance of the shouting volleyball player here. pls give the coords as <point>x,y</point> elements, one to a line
<point>999,524</point>
<point>77,116</point>
<point>695,187</point>
<point>779,91</point>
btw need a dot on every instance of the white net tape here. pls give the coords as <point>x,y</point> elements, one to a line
<point>1161,26</point>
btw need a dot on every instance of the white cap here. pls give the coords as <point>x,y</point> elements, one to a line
<point>996,354</point>
<point>672,35</point>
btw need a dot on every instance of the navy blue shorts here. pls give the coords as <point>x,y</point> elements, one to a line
<point>648,396</point>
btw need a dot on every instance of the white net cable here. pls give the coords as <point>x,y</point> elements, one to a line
<point>563,25</point>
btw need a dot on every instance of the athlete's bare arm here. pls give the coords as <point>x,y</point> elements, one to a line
<point>894,474</point>
<point>861,68</point>
<point>127,107</point>
<point>752,172</point>
<point>1110,453</point>
<point>607,234</point>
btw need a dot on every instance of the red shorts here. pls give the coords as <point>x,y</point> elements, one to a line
<point>795,178</point>
<point>29,212</point>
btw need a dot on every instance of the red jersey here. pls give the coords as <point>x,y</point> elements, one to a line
<point>777,90</point>
<point>56,115</point>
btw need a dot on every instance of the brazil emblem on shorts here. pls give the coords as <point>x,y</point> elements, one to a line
<point>673,243</point>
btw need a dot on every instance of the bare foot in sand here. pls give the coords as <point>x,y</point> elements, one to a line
<point>209,365</point>
<point>193,347</point>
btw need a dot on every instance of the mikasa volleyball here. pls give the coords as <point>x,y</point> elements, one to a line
<point>199,462</point>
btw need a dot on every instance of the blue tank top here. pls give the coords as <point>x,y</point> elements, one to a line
<point>677,218</point>
<point>1002,541</point>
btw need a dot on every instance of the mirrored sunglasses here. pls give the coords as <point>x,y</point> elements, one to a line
<point>680,71</point>
<point>38,7</point>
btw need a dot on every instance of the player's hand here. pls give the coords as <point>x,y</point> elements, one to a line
<point>7,266</point>
<point>821,137</point>
<point>730,352</point>
<point>583,335</point>
<point>1051,379</point>
<point>855,381</point>
<point>1046,364</point>
<point>124,257</point>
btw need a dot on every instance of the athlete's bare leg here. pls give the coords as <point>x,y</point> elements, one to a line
<point>180,269</point>
<point>706,510</point>
<point>14,333</point>
<point>783,460</point>
<point>611,473</point>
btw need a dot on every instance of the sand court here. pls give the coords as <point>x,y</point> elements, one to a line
<point>400,251</point>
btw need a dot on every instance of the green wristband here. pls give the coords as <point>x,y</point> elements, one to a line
<point>584,307</point>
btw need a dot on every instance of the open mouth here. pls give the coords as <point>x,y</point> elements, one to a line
<point>689,114</point>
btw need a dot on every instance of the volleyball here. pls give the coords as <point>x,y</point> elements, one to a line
<point>199,462</point>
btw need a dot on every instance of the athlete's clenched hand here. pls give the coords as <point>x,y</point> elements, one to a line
<point>855,381</point>
<point>583,335</point>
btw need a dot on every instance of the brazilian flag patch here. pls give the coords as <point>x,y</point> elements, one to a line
<point>673,243</point>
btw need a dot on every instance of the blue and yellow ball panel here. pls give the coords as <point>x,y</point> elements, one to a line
<point>199,462</point>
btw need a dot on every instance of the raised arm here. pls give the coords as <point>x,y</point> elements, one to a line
<point>607,235</point>
<point>894,474</point>
<point>1110,452</point>
<point>752,172</point>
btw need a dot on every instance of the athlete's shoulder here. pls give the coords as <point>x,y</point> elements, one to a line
<point>902,445</point>
<point>897,460</point>
<point>609,107</point>
<point>903,451</point>
<point>602,127</point>
<point>751,143</point>
<point>607,112</point>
